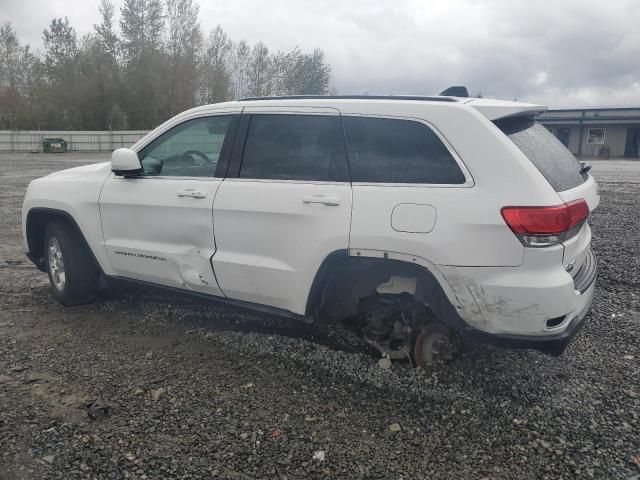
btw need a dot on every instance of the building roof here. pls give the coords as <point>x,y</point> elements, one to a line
<point>592,115</point>
<point>595,108</point>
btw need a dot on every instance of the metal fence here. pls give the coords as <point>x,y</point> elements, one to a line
<point>77,141</point>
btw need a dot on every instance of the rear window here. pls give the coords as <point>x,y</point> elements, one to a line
<point>546,152</point>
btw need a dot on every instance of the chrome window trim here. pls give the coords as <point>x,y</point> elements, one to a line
<point>165,177</point>
<point>277,180</point>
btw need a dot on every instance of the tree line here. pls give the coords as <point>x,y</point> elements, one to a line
<point>156,64</point>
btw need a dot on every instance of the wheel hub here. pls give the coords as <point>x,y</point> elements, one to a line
<point>433,346</point>
<point>56,264</point>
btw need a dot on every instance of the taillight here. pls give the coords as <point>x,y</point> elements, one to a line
<point>544,226</point>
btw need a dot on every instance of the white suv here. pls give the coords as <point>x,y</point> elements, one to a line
<point>414,216</point>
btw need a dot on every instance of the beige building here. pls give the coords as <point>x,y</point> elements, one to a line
<point>597,131</point>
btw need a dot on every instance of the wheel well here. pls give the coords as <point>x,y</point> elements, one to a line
<point>343,280</point>
<point>37,221</point>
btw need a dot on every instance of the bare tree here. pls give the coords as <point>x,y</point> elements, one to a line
<point>241,53</point>
<point>258,71</point>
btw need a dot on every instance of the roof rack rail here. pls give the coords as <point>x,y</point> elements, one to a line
<point>353,97</point>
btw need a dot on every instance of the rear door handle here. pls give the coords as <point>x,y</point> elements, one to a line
<point>191,193</point>
<point>322,200</point>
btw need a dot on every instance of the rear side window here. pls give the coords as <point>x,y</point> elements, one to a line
<point>386,150</point>
<point>294,147</point>
<point>546,152</point>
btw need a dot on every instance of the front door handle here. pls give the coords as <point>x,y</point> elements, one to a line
<point>322,200</point>
<point>191,193</point>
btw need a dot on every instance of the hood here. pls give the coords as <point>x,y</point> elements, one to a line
<point>78,172</point>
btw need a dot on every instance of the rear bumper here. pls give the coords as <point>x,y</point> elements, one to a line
<point>552,344</point>
<point>541,308</point>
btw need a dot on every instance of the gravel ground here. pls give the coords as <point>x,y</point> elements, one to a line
<point>144,385</point>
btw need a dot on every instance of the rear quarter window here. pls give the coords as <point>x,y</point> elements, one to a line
<point>383,150</point>
<point>546,152</point>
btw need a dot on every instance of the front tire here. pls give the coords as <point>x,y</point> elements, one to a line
<point>73,274</point>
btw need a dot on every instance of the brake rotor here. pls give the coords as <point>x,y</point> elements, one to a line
<point>433,346</point>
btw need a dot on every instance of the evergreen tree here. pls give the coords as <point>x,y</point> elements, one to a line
<point>184,47</point>
<point>216,75</point>
<point>61,62</point>
<point>142,26</point>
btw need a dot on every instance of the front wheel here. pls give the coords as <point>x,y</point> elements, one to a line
<point>73,275</point>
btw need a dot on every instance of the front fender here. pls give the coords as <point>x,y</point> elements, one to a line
<point>73,194</point>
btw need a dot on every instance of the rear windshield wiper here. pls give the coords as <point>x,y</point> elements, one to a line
<point>584,167</point>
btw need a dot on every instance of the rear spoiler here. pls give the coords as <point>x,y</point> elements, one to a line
<point>497,109</point>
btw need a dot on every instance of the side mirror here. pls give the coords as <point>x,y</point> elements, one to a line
<point>125,162</point>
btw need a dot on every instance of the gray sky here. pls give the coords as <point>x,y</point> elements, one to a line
<point>560,53</point>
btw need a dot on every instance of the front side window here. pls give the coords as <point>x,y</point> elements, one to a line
<point>595,136</point>
<point>294,147</point>
<point>386,150</point>
<point>191,149</point>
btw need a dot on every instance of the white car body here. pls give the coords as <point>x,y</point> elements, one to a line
<point>263,241</point>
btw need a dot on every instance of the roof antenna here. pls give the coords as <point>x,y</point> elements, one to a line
<point>455,91</point>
